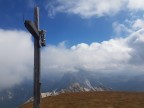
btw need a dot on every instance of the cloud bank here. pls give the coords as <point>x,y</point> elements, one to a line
<point>118,55</point>
<point>93,8</point>
<point>16,61</point>
<point>115,55</point>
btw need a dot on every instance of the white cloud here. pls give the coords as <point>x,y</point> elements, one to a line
<point>115,55</point>
<point>121,30</point>
<point>136,5</point>
<point>16,60</point>
<point>138,24</point>
<point>128,27</point>
<point>93,8</point>
<point>85,8</point>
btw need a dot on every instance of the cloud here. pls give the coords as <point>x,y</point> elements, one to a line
<point>128,26</point>
<point>121,29</point>
<point>138,24</point>
<point>115,55</point>
<point>85,8</point>
<point>135,5</point>
<point>136,41</point>
<point>16,51</point>
<point>93,8</point>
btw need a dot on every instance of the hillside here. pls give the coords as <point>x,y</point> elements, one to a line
<point>71,82</point>
<point>93,100</point>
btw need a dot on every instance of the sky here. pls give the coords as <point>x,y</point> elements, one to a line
<point>104,36</point>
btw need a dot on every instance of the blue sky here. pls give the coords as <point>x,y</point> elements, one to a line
<point>92,35</point>
<point>62,26</point>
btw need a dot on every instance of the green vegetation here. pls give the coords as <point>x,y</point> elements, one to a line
<point>93,100</point>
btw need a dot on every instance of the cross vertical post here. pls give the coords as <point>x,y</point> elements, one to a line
<point>39,41</point>
<point>37,59</point>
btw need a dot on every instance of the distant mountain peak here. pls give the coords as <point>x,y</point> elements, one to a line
<point>79,82</point>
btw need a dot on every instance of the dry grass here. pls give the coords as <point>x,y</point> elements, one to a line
<point>93,100</point>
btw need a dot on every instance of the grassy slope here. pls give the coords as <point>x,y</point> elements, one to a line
<point>93,100</point>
